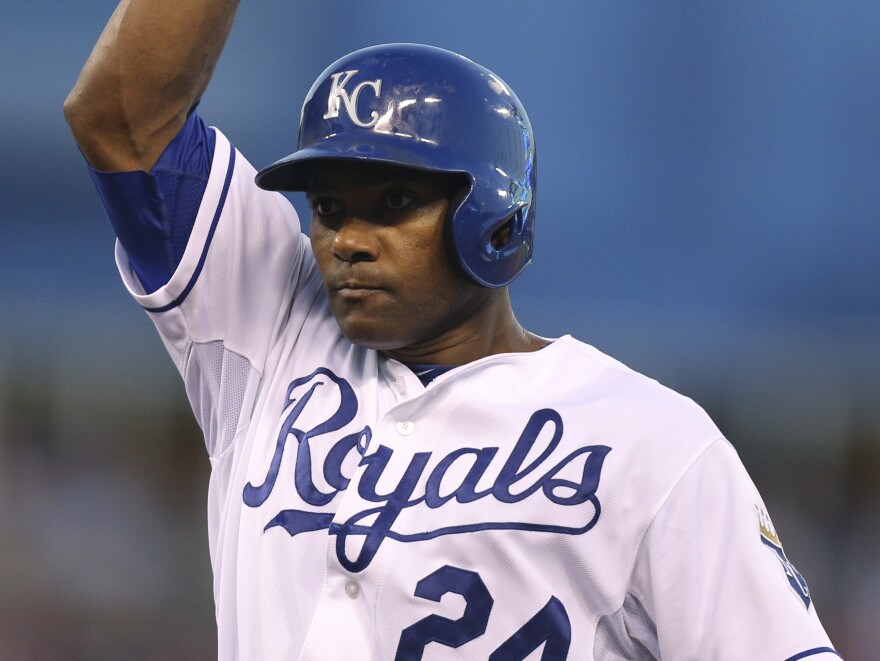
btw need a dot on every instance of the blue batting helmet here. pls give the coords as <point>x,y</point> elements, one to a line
<point>430,109</point>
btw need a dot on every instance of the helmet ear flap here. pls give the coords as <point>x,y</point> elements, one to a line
<point>456,202</point>
<point>494,256</point>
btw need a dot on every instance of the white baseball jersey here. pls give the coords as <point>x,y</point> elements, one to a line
<point>544,505</point>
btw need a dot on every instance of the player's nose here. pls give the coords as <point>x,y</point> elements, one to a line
<point>356,241</point>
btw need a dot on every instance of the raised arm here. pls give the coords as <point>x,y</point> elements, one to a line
<point>149,68</point>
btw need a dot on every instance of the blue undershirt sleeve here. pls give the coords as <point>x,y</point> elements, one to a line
<point>153,213</point>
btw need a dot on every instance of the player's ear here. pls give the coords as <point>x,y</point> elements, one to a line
<point>501,236</point>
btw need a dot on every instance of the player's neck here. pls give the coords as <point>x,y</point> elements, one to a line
<point>492,331</point>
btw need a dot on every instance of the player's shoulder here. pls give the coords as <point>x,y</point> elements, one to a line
<point>586,355</point>
<point>629,394</point>
<point>593,365</point>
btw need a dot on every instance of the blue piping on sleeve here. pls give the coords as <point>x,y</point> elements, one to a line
<point>813,652</point>
<point>216,219</point>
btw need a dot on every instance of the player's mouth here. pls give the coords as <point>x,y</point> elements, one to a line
<point>355,290</point>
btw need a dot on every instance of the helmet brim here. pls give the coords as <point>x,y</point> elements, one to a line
<point>292,172</point>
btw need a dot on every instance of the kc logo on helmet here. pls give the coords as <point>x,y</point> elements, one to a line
<point>338,94</point>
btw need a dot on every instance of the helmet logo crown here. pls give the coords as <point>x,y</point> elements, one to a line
<point>338,94</point>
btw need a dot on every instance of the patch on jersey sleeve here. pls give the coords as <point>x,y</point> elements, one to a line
<point>771,540</point>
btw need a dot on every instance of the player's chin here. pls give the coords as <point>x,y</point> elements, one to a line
<point>381,331</point>
<point>372,337</point>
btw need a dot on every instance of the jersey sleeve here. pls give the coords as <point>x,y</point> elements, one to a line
<point>714,578</point>
<point>246,276</point>
<point>153,212</point>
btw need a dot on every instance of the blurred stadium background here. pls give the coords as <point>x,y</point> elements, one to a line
<point>709,214</point>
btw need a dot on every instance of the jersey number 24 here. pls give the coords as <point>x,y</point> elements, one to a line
<point>549,626</point>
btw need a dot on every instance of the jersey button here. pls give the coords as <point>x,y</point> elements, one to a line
<point>353,589</point>
<point>405,427</point>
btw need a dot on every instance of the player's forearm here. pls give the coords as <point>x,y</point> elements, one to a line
<point>149,67</point>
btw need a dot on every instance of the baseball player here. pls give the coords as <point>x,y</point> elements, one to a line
<point>399,469</point>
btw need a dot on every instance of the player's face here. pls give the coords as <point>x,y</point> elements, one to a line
<point>377,234</point>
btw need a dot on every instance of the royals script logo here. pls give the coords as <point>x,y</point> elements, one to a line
<point>349,100</point>
<point>522,483</point>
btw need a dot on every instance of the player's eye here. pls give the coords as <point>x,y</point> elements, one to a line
<point>397,200</point>
<point>325,206</point>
